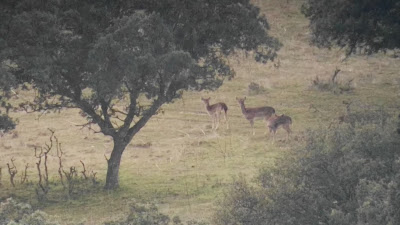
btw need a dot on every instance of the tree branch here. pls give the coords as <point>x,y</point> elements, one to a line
<point>131,113</point>
<point>146,116</point>
<point>106,127</point>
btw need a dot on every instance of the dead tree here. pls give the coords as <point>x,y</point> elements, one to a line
<point>47,148</point>
<point>93,176</point>
<point>44,188</point>
<point>24,175</point>
<point>71,178</point>
<point>12,170</point>
<point>84,170</point>
<point>60,166</point>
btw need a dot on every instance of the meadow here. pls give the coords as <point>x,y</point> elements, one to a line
<point>177,161</point>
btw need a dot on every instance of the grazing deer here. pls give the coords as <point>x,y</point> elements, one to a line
<point>275,122</point>
<point>251,113</point>
<point>215,110</point>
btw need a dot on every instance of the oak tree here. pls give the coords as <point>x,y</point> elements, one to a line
<point>89,54</point>
<point>367,26</point>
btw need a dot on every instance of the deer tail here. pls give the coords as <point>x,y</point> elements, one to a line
<point>225,108</point>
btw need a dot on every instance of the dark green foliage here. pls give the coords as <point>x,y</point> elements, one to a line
<point>366,25</point>
<point>345,175</point>
<point>223,24</point>
<point>6,124</point>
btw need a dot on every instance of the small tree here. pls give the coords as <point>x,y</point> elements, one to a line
<point>89,54</point>
<point>366,25</point>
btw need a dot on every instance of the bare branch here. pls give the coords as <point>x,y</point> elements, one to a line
<point>12,170</point>
<point>146,116</point>
<point>24,176</point>
<point>106,158</point>
<point>106,127</point>
<point>84,170</point>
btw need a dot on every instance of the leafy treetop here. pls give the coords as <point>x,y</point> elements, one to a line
<point>366,25</point>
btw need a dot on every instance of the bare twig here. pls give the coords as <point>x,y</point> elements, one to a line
<point>12,170</point>
<point>84,170</point>
<point>88,125</point>
<point>94,177</point>
<point>60,166</point>
<point>40,172</point>
<point>335,75</point>
<point>70,178</point>
<point>24,176</point>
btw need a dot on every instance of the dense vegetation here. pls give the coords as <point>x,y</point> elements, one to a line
<point>365,26</point>
<point>348,174</point>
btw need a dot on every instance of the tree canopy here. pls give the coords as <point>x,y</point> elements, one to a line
<point>90,54</point>
<point>365,25</point>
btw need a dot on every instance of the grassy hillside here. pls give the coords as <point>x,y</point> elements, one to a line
<point>176,160</point>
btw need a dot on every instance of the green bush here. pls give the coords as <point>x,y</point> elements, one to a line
<point>256,89</point>
<point>148,214</point>
<point>346,175</point>
<point>14,213</point>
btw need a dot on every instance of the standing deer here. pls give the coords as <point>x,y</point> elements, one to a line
<point>214,111</point>
<point>251,113</point>
<point>275,122</point>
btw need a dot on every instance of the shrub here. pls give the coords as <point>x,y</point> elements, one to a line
<point>332,85</point>
<point>14,213</point>
<point>148,214</point>
<point>256,89</point>
<point>6,123</point>
<point>346,175</point>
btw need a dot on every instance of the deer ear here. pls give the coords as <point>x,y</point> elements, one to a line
<point>244,97</point>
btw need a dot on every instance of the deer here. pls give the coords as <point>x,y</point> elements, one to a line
<point>214,111</point>
<point>250,114</point>
<point>275,122</point>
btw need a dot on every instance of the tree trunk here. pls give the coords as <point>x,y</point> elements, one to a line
<point>112,179</point>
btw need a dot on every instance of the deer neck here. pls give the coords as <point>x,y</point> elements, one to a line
<point>243,108</point>
<point>208,107</point>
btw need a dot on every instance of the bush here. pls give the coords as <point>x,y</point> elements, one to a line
<point>346,175</point>
<point>6,123</point>
<point>256,89</point>
<point>14,213</point>
<point>148,214</point>
<point>332,86</point>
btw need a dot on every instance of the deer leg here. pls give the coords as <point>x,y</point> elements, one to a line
<point>217,120</point>
<point>287,128</point>
<point>226,120</point>
<point>273,137</point>
<point>252,126</point>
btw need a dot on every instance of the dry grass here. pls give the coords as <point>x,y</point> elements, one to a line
<point>176,160</point>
